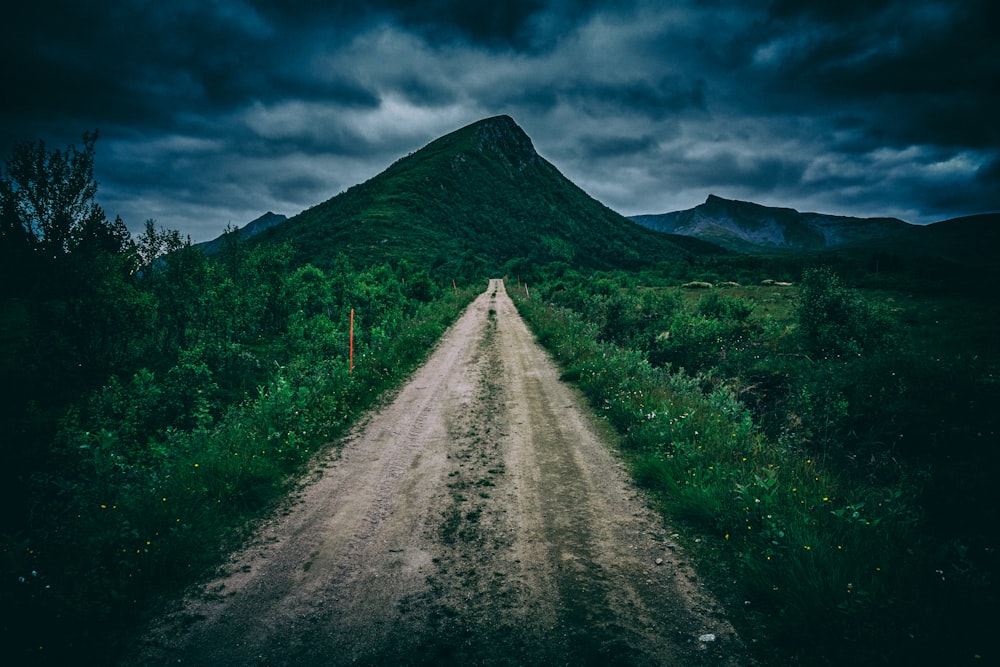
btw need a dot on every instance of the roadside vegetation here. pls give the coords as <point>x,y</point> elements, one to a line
<point>831,447</point>
<point>158,399</point>
<point>822,429</point>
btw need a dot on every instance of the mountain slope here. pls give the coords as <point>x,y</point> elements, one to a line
<point>479,195</point>
<point>245,232</point>
<point>749,227</point>
<point>973,239</point>
<point>752,228</point>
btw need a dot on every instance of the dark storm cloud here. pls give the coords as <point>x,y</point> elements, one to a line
<point>596,148</point>
<point>214,112</point>
<point>920,68</point>
<point>760,172</point>
<point>491,23</point>
<point>656,99</point>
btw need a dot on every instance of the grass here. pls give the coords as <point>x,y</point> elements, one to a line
<point>120,528</point>
<point>835,557</point>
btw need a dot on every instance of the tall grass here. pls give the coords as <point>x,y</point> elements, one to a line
<point>829,564</point>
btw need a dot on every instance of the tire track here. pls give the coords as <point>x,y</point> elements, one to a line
<point>478,518</point>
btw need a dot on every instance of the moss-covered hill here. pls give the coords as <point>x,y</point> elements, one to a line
<point>479,196</point>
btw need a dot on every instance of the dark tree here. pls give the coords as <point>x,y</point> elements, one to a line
<point>48,196</point>
<point>67,275</point>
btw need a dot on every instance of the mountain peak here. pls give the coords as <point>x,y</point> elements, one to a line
<point>715,202</point>
<point>750,227</point>
<point>502,121</point>
<point>501,136</point>
<point>479,194</point>
<point>252,228</point>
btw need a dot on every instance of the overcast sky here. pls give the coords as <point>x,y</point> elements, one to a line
<point>215,111</point>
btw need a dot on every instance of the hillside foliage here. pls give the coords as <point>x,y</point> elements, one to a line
<point>823,426</point>
<point>465,205</point>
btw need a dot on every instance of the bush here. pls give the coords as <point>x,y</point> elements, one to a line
<point>722,307</point>
<point>149,476</point>
<point>835,320</point>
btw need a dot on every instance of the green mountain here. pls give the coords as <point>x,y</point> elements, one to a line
<point>480,195</point>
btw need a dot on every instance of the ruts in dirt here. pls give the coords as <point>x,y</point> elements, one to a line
<point>479,517</point>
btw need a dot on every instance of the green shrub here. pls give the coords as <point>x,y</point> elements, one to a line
<point>721,307</point>
<point>152,475</point>
<point>835,320</point>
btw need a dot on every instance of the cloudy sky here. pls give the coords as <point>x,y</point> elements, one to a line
<point>215,111</point>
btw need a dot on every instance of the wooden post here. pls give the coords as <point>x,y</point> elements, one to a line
<point>526,292</point>
<point>454,286</point>
<point>350,368</point>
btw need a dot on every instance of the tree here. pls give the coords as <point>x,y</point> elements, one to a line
<point>47,198</point>
<point>67,274</point>
<point>153,243</point>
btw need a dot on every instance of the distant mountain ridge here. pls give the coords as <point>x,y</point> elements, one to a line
<point>481,196</point>
<point>747,227</point>
<point>245,232</point>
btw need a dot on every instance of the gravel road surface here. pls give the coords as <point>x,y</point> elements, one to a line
<point>479,517</point>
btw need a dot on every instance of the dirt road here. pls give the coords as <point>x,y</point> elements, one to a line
<point>478,519</point>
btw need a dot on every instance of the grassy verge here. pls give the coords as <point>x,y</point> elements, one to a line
<point>833,559</point>
<point>117,526</point>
